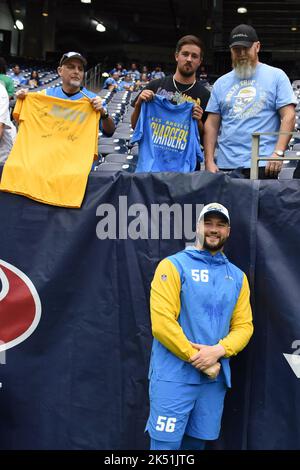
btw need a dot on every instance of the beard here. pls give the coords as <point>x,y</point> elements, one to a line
<point>186,72</point>
<point>75,83</point>
<point>245,69</point>
<point>214,246</point>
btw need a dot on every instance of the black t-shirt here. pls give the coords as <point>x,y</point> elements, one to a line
<point>165,87</point>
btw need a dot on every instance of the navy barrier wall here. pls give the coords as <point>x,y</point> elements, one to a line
<point>79,381</point>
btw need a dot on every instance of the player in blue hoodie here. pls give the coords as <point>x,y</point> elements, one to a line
<point>201,315</point>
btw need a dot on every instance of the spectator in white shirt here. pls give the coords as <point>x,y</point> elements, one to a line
<point>7,129</point>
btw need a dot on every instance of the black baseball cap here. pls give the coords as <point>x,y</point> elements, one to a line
<point>243,35</point>
<point>72,55</point>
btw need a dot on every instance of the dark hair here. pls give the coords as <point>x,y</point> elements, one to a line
<point>37,74</point>
<point>3,66</point>
<point>190,39</point>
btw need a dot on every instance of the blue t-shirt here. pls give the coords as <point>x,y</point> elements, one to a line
<point>17,79</point>
<point>122,86</point>
<point>168,137</point>
<point>134,74</point>
<point>247,106</point>
<point>157,74</point>
<point>109,81</point>
<point>58,92</point>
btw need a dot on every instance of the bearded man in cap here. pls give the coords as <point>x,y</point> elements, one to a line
<point>71,71</point>
<point>253,97</point>
<point>201,315</point>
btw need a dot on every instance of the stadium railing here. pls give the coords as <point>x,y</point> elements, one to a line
<point>255,158</point>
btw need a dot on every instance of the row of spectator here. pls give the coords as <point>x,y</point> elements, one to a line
<point>135,73</point>
<point>15,77</point>
<point>127,82</point>
<point>157,73</point>
<point>120,79</point>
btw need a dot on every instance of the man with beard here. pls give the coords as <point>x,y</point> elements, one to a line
<point>183,85</point>
<point>201,315</point>
<point>253,97</point>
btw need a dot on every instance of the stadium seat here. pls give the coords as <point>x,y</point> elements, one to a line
<point>134,150</point>
<point>124,126</point>
<point>112,141</point>
<point>105,149</point>
<point>113,107</point>
<point>123,134</point>
<point>116,116</point>
<point>114,167</point>
<point>119,158</point>
<point>292,153</point>
<point>287,172</point>
<point>296,146</point>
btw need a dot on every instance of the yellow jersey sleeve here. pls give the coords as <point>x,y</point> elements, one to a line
<point>17,110</point>
<point>165,309</point>
<point>19,106</point>
<point>241,326</point>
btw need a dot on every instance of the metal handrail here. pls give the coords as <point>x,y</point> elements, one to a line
<point>92,78</point>
<point>255,158</point>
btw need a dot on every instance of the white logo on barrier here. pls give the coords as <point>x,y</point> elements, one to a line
<point>20,307</point>
<point>294,359</point>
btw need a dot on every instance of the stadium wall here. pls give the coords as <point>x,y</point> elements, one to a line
<point>78,379</point>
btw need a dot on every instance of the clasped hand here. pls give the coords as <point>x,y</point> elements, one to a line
<point>207,355</point>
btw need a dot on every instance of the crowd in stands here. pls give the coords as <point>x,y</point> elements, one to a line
<point>131,79</point>
<point>14,77</point>
<point>121,86</point>
<point>136,78</point>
